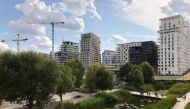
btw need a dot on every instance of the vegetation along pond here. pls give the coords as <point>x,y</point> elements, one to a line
<point>135,102</point>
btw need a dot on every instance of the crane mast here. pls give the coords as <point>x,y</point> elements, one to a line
<point>18,40</point>
<point>53,27</point>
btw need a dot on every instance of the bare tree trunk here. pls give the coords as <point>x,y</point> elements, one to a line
<point>30,105</point>
<point>61,96</point>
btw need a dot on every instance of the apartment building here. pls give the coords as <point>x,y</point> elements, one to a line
<point>90,49</point>
<point>123,51</point>
<point>174,52</point>
<point>108,57</point>
<point>146,52</point>
<point>68,50</point>
<point>137,52</point>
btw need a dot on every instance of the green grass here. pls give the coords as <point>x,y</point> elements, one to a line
<point>179,89</point>
<point>163,85</point>
<point>166,103</point>
<point>147,88</point>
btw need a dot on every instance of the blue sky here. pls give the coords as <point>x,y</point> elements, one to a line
<point>114,21</point>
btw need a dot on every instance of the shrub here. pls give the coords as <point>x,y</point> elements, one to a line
<point>98,100</point>
<point>147,87</point>
<point>163,85</point>
<point>108,97</point>
<point>89,103</point>
<point>132,88</point>
<point>179,89</point>
<point>122,94</point>
<point>166,103</point>
<point>65,106</point>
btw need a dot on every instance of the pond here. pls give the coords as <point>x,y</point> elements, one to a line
<point>134,102</point>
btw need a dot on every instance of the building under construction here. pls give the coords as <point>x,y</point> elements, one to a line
<point>68,50</point>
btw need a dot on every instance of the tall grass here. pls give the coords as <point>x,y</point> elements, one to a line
<point>179,89</point>
<point>166,103</point>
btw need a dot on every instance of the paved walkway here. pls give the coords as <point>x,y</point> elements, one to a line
<point>66,97</point>
<point>149,94</point>
<point>182,102</point>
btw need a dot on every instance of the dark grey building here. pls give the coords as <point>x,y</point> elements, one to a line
<point>147,51</point>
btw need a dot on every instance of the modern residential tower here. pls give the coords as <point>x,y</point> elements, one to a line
<point>137,52</point>
<point>90,49</point>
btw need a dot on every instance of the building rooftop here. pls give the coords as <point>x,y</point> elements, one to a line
<point>136,42</point>
<point>174,16</point>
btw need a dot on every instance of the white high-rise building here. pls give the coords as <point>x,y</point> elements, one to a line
<point>174,52</point>
<point>90,49</point>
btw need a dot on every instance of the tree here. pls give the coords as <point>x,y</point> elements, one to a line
<point>90,77</point>
<point>98,78</point>
<point>66,81</point>
<point>27,76</point>
<point>104,79</point>
<point>78,71</point>
<point>124,71</point>
<point>135,77</point>
<point>148,72</point>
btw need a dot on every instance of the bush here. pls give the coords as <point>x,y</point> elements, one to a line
<point>147,87</point>
<point>130,87</point>
<point>163,85</point>
<point>65,106</point>
<point>98,100</point>
<point>108,97</point>
<point>166,103</point>
<point>179,89</point>
<point>122,94</point>
<point>89,103</point>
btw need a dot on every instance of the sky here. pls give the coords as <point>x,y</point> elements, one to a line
<point>114,21</point>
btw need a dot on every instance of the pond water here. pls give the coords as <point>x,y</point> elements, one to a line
<point>133,103</point>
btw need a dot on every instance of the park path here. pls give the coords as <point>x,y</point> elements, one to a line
<point>66,97</point>
<point>150,94</point>
<point>182,102</point>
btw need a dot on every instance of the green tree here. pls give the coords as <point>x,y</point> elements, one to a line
<point>104,79</point>
<point>124,71</point>
<point>135,77</point>
<point>148,72</point>
<point>78,71</point>
<point>90,76</point>
<point>66,81</point>
<point>98,78</point>
<point>27,76</point>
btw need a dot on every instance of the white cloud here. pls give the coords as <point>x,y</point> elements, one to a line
<point>118,39</point>
<point>145,13</point>
<point>3,46</point>
<point>79,7</point>
<point>69,11</point>
<point>36,12</point>
<point>19,26</point>
<point>178,7</point>
<point>41,42</point>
